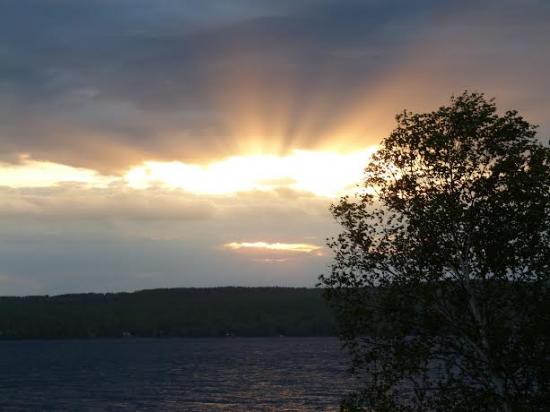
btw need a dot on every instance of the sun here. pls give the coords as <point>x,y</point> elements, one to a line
<point>321,173</point>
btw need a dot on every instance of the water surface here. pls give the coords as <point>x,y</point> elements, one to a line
<point>229,374</point>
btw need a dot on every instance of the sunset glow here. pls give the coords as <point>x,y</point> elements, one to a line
<point>280,247</point>
<point>320,173</point>
<point>31,173</point>
<point>173,143</point>
<point>325,174</point>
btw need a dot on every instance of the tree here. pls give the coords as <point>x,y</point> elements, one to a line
<point>441,272</point>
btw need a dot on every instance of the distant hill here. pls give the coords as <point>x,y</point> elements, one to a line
<point>187,312</point>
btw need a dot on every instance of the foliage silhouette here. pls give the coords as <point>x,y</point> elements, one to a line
<point>186,312</point>
<point>440,277</point>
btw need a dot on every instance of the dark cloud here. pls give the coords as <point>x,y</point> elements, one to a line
<point>104,84</point>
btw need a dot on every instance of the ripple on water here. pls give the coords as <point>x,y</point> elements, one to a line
<point>237,374</point>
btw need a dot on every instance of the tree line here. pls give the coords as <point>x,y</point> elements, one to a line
<point>182,312</point>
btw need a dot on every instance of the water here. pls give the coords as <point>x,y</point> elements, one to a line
<point>231,374</point>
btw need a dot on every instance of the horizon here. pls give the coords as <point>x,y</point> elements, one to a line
<point>161,289</point>
<point>165,144</point>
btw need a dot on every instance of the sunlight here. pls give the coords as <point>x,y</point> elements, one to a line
<point>32,173</point>
<point>321,173</point>
<point>280,247</point>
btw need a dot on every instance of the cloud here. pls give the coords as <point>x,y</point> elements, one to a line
<point>107,85</point>
<point>276,246</point>
<point>299,171</point>
<point>272,260</point>
<point>72,238</point>
<point>76,202</point>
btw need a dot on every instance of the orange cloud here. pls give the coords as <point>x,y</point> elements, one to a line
<point>280,247</point>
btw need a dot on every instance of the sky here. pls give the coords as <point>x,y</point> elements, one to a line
<point>191,143</point>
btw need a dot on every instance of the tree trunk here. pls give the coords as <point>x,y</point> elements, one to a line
<point>484,349</point>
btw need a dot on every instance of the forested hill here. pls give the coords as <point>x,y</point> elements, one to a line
<point>228,311</point>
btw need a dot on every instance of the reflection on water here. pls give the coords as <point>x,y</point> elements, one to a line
<point>233,374</point>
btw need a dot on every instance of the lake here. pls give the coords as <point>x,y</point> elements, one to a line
<point>229,374</point>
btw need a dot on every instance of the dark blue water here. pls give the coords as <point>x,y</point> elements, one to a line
<point>232,374</point>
